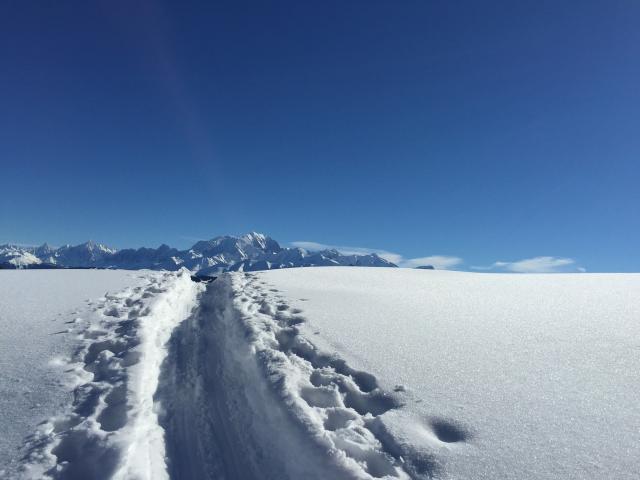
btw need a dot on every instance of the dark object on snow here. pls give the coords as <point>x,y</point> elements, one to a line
<point>202,278</point>
<point>33,266</point>
<point>426,267</point>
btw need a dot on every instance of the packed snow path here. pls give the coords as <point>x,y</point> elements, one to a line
<point>355,373</point>
<point>244,395</point>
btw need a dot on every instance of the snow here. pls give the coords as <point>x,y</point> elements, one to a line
<point>17,256</point>
<point>329,372</point>
<point>498,376</point>
<point>142,435</point>
<point>108,427</point>
<point>223,416</point>
<point>35,310</point>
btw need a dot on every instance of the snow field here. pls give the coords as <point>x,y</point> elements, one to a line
<point>39,314</point>
<point>351,373</point>
<point>499,376</point>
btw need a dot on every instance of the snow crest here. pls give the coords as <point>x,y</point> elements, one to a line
<point>112,430</point>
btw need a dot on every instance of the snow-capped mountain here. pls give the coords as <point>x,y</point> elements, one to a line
<point>249,252</point>
<point>87,254</point>
<point>15,256</point>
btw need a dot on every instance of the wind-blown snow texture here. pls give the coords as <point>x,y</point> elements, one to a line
<point>500,376</point>
<point>38,312</point>
<point>249,252</point>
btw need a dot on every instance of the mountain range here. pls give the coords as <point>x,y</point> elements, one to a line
<point>249,252</point>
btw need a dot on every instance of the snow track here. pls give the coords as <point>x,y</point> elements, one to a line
<point>182,380</point>
<point>335,404</point>
<point>245,395</point>
<point>112,429</point>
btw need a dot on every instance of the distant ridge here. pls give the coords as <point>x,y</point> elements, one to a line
<point>248,252</point>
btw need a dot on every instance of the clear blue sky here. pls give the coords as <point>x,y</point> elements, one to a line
<point>490,131</point>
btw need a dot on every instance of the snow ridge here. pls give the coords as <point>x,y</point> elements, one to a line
<point>112,429</point>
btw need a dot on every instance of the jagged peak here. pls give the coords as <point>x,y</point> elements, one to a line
<point>93,245</point>
<point>254,235</point>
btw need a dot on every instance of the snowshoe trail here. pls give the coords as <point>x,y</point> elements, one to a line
<point>336,404</point>
<point>360,425</point>
<point>110,430</point>
<point>177,379</point>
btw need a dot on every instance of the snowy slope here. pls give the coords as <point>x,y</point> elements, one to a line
<point>36,309</point>
<point>499,376</point>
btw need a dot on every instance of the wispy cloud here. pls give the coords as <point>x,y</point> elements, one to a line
<point>535,265</point>
<point>441,262</point>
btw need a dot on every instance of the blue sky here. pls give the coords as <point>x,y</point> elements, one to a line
<point>487,132</point>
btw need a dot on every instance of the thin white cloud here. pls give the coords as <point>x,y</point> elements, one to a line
<point>535,265</point>
<point>441,262</point>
